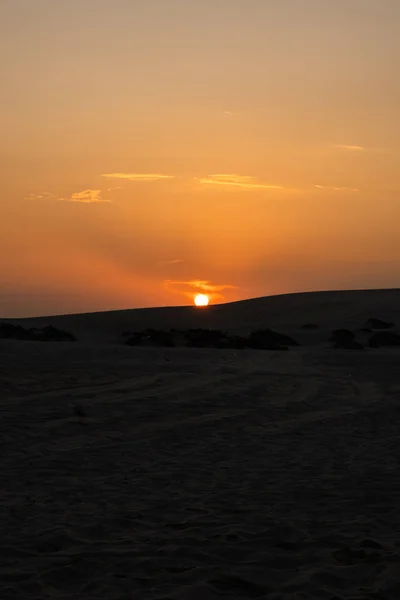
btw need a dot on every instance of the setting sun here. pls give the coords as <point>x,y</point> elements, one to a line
<point>201,300</point>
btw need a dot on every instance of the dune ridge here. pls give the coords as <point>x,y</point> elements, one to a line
<point>289,311</point>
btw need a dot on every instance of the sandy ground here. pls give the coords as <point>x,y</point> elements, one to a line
<point>136,473</point>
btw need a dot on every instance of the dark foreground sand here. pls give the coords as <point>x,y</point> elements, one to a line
<point>199,474</point>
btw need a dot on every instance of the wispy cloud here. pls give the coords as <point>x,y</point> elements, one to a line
<point>239,181</point>
<point>174,261</point>
<point>88,196</point>
<point>191,287</point>
<point>230,113</point>
<point>350,147</point>
<point>361,149</point>
<point>138,176</point>
<point>41,196</point>
<point>336,189</point>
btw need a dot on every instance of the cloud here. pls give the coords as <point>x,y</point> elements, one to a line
<point>240,181</point>
<point>174,261</point>
<point>190,288</point>
<point>336,189</point>
<point>229,113</point>
<point>138,176</point>
<point>352,148</point>
<point>88,196</point>
<point>41,196</point>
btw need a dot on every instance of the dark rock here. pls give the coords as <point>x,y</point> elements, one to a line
<point>384,339</point>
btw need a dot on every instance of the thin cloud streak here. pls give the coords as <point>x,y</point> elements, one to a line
<point>41,196</point>
<point>234,180</point>
<point>360,149</point>
<point>349,147</point>
<point>336,189</point>
<point>174,261</point>
<point>138,176</point>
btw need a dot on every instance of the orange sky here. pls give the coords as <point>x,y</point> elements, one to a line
<point>153,149</point>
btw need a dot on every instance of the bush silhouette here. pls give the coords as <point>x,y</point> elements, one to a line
<point>384,339</point>
<point>150,337</point>
<point>378,324</point>
<point>267,339</point>
<point>46,334</point>
<point>205,338</point>
<point>345,339</point>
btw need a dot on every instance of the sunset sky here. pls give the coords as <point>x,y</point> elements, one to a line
<point>152,149</point>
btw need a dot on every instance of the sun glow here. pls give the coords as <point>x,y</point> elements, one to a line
<point>201,300</point>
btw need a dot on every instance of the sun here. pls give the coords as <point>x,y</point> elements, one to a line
<point>201,300</point>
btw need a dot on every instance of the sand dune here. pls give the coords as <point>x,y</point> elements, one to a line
<point>202,474</point>
<point>287,312</point>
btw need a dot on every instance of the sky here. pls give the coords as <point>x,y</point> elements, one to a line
<point>153,149</point>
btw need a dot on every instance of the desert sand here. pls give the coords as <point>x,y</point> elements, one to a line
<point>201,474</point>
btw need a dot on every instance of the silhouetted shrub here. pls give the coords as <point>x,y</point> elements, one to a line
<point>150,337</point>
<point>339,335</point>
<point>384,338</point>
<point>237,342</point>
<point>209,338</point>
<point>159,338</point>
<point>51,334</point>
<point>46,334</point>
<point>134,339</point>
<point>267,339</point>
<point>379,324</point>
<point>345,339</point>
<point>205,338</point>
<point>15,332</point>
